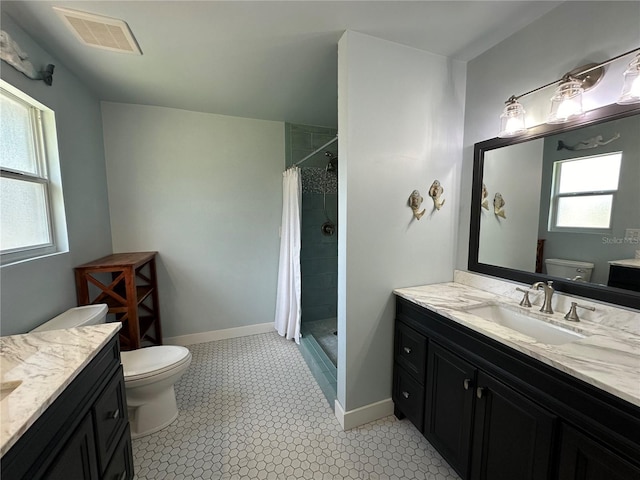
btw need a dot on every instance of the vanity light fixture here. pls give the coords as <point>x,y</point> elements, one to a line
<point>631,88</point>
<point>566,103</point>
<point>512,119</point>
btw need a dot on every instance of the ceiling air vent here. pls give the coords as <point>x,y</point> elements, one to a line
<point>100,32</point>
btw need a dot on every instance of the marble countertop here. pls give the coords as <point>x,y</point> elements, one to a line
<point>631,262</point>
<point>36,367</point>
<point>608,357</point>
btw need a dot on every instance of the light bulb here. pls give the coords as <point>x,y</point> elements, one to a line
<point>631,88</point>
<point>567,108</point>
<point>514,124</point>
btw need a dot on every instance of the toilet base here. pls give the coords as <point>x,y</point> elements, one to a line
<point>152,416</point>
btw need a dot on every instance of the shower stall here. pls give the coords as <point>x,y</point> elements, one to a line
<point>319,246</point>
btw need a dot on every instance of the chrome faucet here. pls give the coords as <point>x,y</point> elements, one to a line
<point>548,295</point>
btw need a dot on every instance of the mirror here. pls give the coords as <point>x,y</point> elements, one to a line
<point>562,203</point>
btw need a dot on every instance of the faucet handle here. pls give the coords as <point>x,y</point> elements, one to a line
<point>572,314</point>
<point>525,300</point>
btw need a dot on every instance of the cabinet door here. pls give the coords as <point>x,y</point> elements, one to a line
<point>583,459</point>
<point>512,436</point>
<point>77,460</point>
<point>449,406</point>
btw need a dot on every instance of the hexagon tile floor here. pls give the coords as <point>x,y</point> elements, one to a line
<point>250,409</point>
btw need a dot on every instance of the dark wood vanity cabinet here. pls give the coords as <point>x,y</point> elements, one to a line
<point>495,413</point>
<point>512,436</point>
<point>449,405</point>
<point>84,434</point>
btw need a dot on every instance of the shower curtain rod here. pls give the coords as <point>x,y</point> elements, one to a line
<point>315,151</point>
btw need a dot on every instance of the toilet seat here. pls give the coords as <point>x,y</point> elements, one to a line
<point>150,361</point>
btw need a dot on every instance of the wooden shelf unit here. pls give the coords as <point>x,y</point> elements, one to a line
<point>131,294</point>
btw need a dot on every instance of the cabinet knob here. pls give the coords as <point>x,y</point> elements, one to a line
<point>115,414</point>
<point>479,392</point>
<point>406,394</point>
<point>466,383</point>
<point>407,350</point>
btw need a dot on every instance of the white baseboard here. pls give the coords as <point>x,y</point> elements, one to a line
<point>223,334</point>
<point>362,415</point>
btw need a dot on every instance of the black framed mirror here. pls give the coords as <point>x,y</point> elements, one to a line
<point>533,222</point>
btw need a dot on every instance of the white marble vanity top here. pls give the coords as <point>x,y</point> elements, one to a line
<point>630,262</point>
<point>608,358</point>
<point>36,367</point>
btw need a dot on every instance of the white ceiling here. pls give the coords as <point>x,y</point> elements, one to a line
<point>274,60</point>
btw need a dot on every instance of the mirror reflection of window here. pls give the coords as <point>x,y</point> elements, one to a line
<point>583,193</point>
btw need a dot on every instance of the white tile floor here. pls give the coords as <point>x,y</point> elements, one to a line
<point>250,409</point>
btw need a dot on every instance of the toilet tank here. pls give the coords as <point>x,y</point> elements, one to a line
<point>76,317</point>
<point>569,269</point>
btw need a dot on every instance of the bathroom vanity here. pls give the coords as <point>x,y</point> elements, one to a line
<point>500,404</point>
<point>64,411</point>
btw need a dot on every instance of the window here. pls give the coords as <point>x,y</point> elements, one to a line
<point>31,211</point>
<point>584,190</point>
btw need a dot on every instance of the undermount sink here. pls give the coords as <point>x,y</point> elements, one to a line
<point>542,331</point>
<point>7,385</point>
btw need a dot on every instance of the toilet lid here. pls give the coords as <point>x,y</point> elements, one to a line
<point>152,360</point>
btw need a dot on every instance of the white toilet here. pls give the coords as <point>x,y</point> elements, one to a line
<point>570,269</point>
<point>149,373</point>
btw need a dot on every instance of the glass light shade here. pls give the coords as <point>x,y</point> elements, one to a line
<point>512,120</point>
<point>566,103</point>
<point>631,88</point>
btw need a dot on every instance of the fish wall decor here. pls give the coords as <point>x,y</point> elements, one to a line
<point>593,142</point>
<point>415,200</point>
<point>485,200</point>
<point>435,192</point>
<point>498,205</point>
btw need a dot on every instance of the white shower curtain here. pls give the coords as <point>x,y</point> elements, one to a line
<point>288,311</point>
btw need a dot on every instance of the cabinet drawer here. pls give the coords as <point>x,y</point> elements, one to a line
<point>411,351</point>
<point>408,395</point>
<point>77,459</point>
<point>110,418</point>
<point>121,465</point>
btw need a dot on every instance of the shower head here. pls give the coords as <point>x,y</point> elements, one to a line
<point>333,161</point>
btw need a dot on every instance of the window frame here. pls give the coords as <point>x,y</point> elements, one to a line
<point>556,196</point>
<point>47,174</point>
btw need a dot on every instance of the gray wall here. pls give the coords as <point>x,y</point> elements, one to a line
<point>400,123</point>
<point>205,191</point>
<point>592,247</point>
<point>569,36</point>
<point>36,290</point>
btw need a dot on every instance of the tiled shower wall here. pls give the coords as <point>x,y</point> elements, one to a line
<point>319,253</point>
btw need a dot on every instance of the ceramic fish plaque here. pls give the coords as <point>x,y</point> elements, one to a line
<point>485,200</point>
<point>415,201</point>
<point>498,205</point>
<point>435,192</point>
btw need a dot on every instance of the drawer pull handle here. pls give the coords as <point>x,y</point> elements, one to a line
<point>480,392</point>
<point>123,476</point>
<point>406,394</point>
<point>115,414</point>
<point>407,350</point>
<point>466,383</point>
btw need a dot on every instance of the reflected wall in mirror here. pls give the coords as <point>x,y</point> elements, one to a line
<point>572,194</point>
